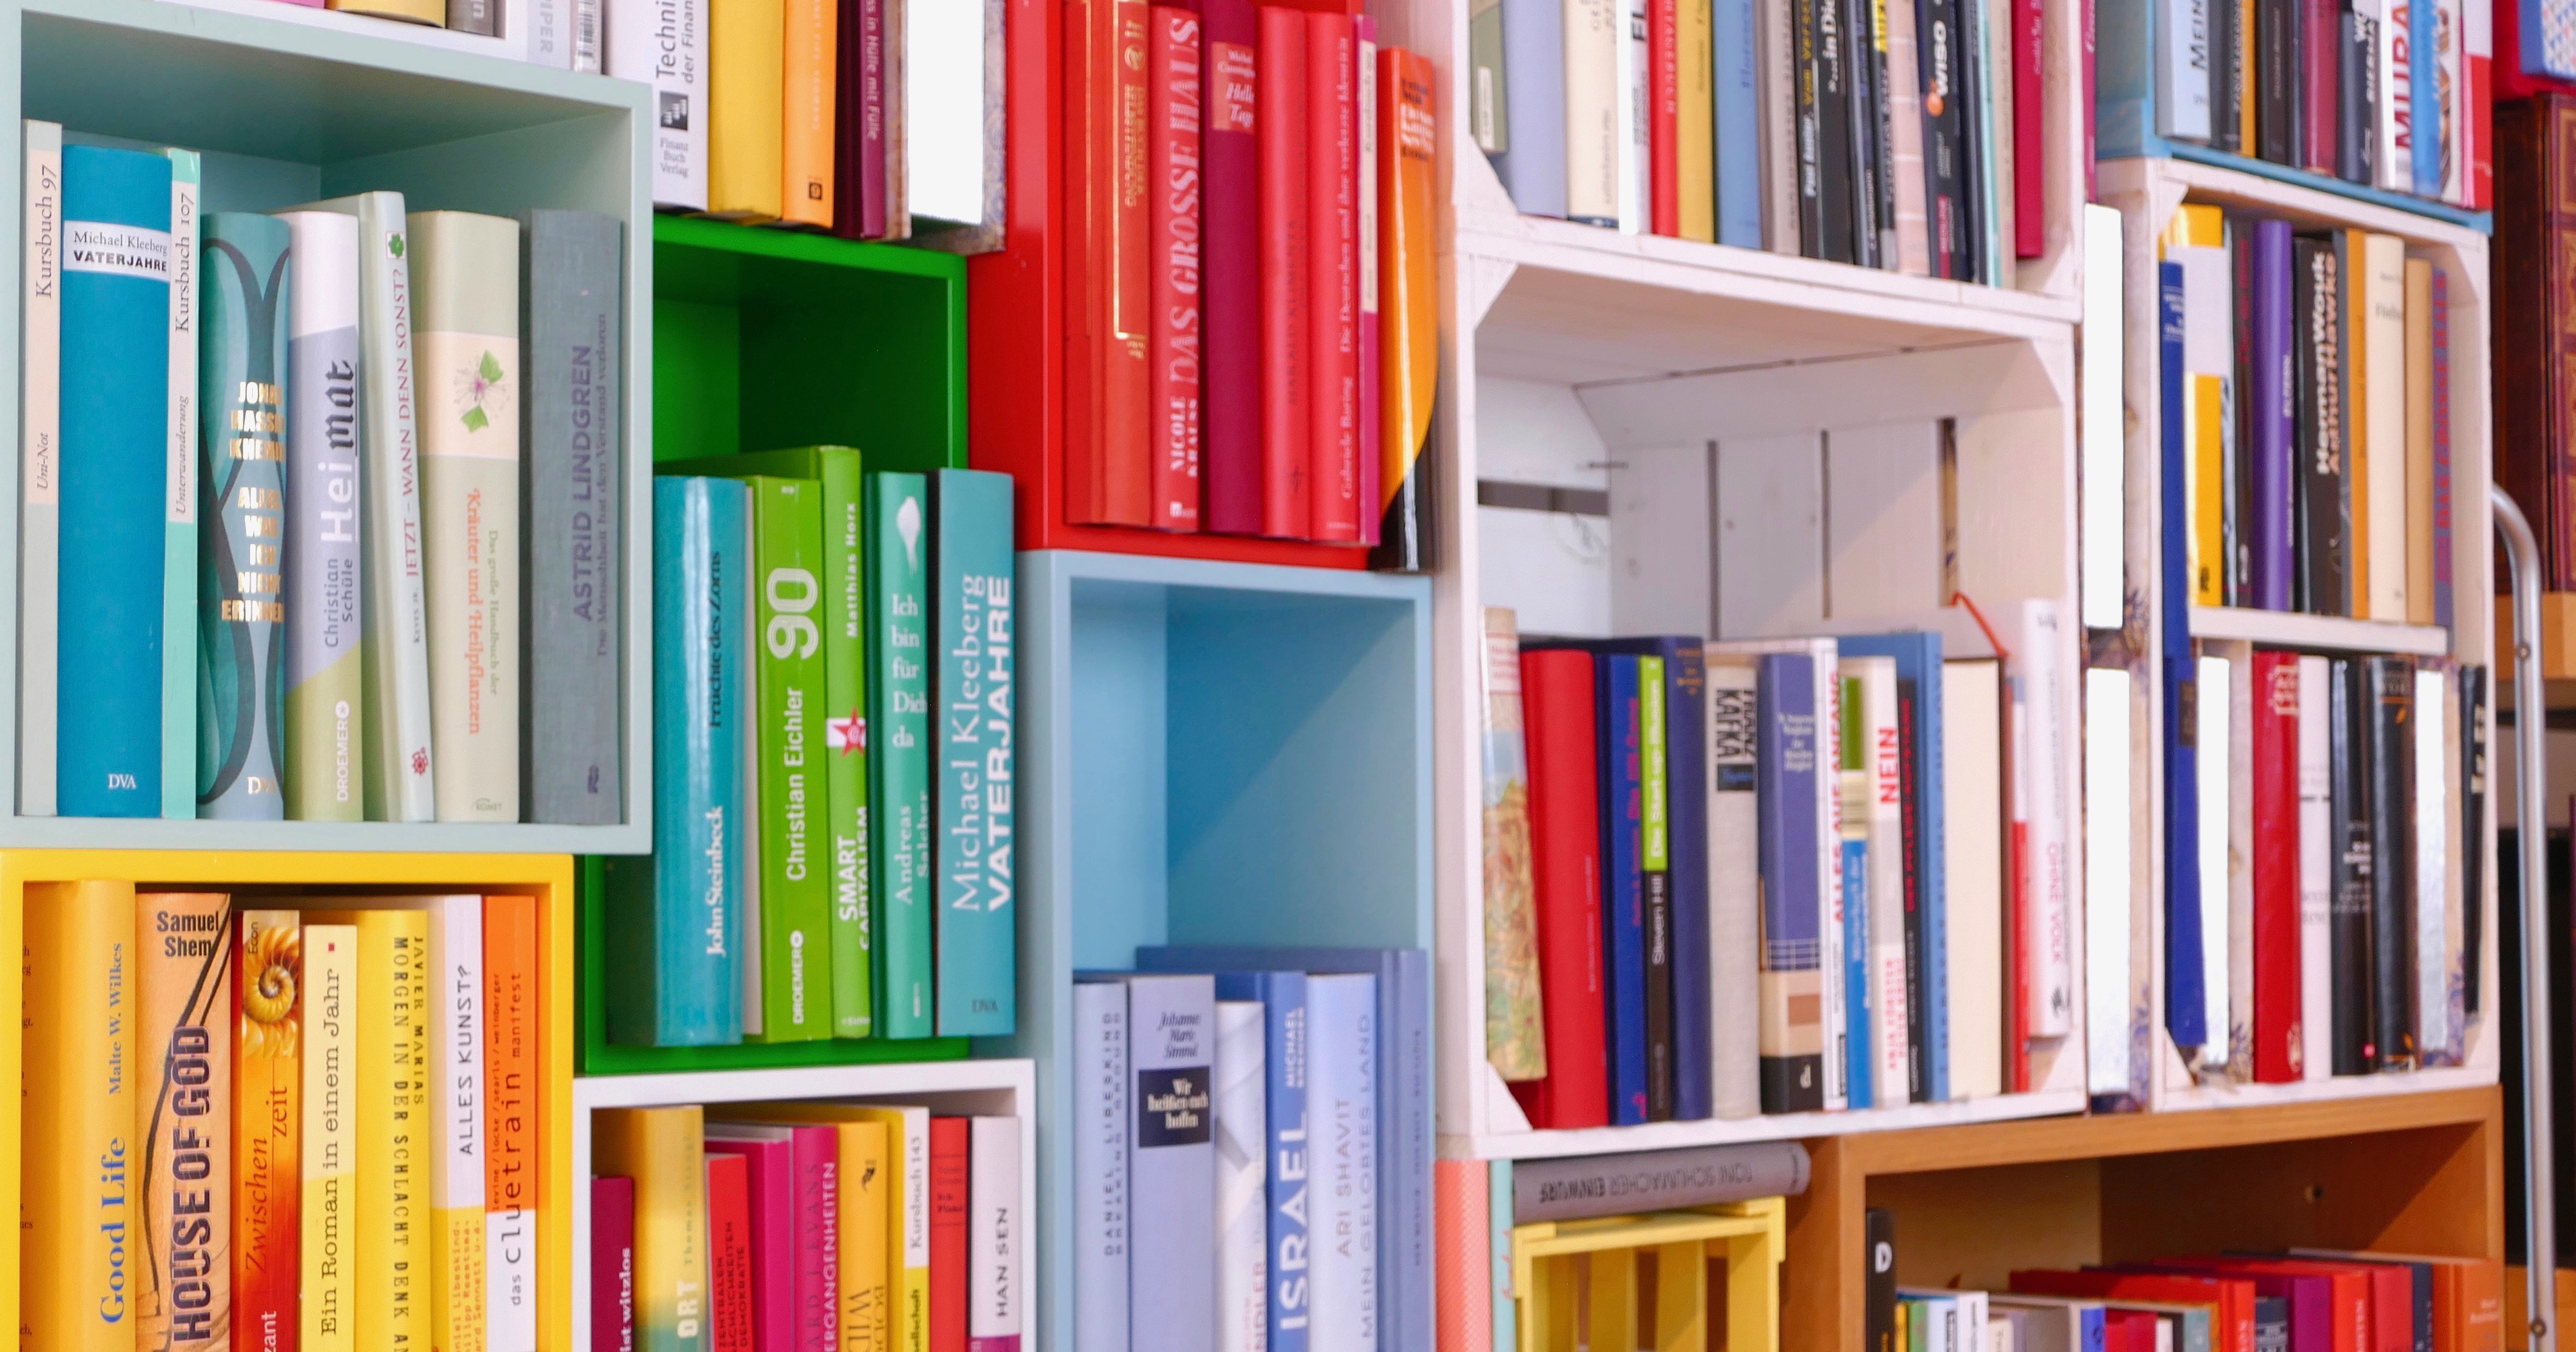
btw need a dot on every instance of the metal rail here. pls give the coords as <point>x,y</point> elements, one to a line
<point>2530,725</point>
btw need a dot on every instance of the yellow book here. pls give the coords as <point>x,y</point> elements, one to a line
<point>184,1119</point>
<point>390,1132</point>
<point>745,98</point>
<point>907,1204</point>
<point>268,1043</point>
<point>77,1166</point>
<point>1696,128</point>
<point>866,1173</point>
<point>2196,241</point>
<point>430,12</point>
<point>812,93</point>
<point>327,1153</point>
<point>2419,441</point>
<point>664,1151</point>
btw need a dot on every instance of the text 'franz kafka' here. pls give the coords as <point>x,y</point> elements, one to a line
<point>976,743</point>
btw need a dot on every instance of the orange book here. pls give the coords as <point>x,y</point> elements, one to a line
<point>1108,300</point>
<point>268,1070</point>
<point>1463,1284</point>
<point>185,1053</point>
<point>1408,308</point>
<point>810,95</point>
<point>510,1115</point>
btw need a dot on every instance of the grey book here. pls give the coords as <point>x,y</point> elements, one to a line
<point>482,17</point>
<point>326,690</point>
<point>1655,1180</point>
<point>1533,105</point>
<point>1171,1170</point>
<point>1488,95</point>
<point>572,497</point>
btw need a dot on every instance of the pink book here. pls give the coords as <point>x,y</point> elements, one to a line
<point>1230,270</point>
<point>818,1238</point>
<point>872,137</point>
<point>2029,58</point>
<point>612,1265</point>
<point>1372,379</point>
<point>1332,270</point>
<point>768,1156</point>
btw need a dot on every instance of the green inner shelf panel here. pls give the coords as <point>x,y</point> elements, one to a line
<point>770,338</point>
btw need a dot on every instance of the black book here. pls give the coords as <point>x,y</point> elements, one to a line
<point>2348,809</point>
<point>1879,1292</point>
<point>1862,79</point>
<point>1918,1051</point>
<point>2227,43</point>
<point>2277,26</point>
<point>1809,79</point>
<point>2473,823</point>
<point>1659,994</point>
<point>2392,861</point>
<point>2239,585</point>
<point>1936,37</point>
<point>2323,501</point>
<point>1833,127</point>
<point>2357,99</point>
<point>1882,131</point>
<point>1973,265</point>
<point>2271,1324</point>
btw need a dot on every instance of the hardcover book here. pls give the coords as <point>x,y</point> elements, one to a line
<point>1332,270</point>
<point>2391,826</point>
<point>77,1156</point>
<point>729,1282</point>
<point>1793,1050</point>
<point>746,131</point>
<point>249,285</point>
<point>1405,538</point>
<point>1514,1036</point>
<point>899,768</point>
<point>1242,1127</point>
<point>676,68</point>
<point>1108,253</point>
<point>1351,1292</point>
<point>391,1134</point>
<point>869,1276</point>
<point>2318,872</point>
<point>1102,1218</point>
<point>664,1151</point>
<point>612,1264</point>
<point>1287,368</point>
<point>794,886</point>
<point>325,686</point>
<point>1285,1145</point>
<point>977,623</point>
<point>1565,834</point>
<point>2279,1040</point>
<point>513,1121</point>
<point>2348,835</point>
<point>326,1295</point>
<point>1230,427</point>
<point>179,495</point>
<point>1179,245</point>
<point>997,1232</point>
<point>1735,883</point>
<point>1581,1188</point>
<point>1683,765</point>
<point>183,1118</point>
<point>1623,889</point>
<point>1172,1161</point>
<point>40,488</point>
<point>950,1171</point>
<point>267,1128</point>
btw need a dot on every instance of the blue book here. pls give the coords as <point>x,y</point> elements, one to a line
<point>2426,135</point>
<point>1498,1216</point>
<point>1101,1219</point>
<point>1284,1043</point>
<point>1686,791</point>
<point>1859,1089</point>
<point>1791,1054</point>
<point>974,625</point>
<point>674,914</point>
<point>1533,172</point>
<point>1739,125</point>
<point>1403,1106</point>
<point>1918,666</point>
<point>1342,1095</point>
<point>1623,883</point>
<point>115,462</point>
<point>1171,1170</point>
<point>2184,1016</point>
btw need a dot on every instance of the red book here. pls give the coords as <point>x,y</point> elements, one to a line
<point>2233,1299</point>
<point>612,1265</point>
<point>2387,1289</point>
<point>1109,280</point>
<point>1333,268</point>
<point>1287,488</point>
<point>769,1180</point>
<point>1664,118</point>
<point>2321,51</point>
<point>1558,728</point>
<point>2348,1293</point>
<point>951,1164</point>
<point>2128,1330</point>
<point>1230,425</point>
<point>2030,137</point>
<point>2277,1030</point>
<point>1372,378</point>
<point>729,1286</point>
<point>1175,224</point>
<point>2478,69</point>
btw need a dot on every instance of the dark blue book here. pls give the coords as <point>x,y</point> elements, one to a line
<point>1792,980</point>
<point>1623,884</point>
<point>2185,1016</point>
<point>2274,418</point>
<point>1686,787</point>
<point>1918,664</point>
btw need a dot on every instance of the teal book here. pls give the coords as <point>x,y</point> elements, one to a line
<point>897,543</point>
<point>787,734</point>
<point>115,459</point>
<point>673,915</point>
<point>179,500</point>
<point>975,629</point>
<point>845,692</point>
<point>241,637</point>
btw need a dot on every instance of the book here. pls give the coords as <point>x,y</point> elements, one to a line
<point>1623,902</point>
<point>325,688</point>
<point>859,207</point>
<point>2390,800</point>
<point>1694,87</point>
<point>458,1117</point>
<point>466,325</point>
<point>1287,360</point>
<point>248,287</point>
<point>115,346</point>
<point>2438,308</point>
<point>2433,916</point>
<point>513,1120</point>
<point>676,68</point>
<point>2186,974</point>
<point>1109,292</point>
<point>2348,835</point>
<point>1332,271</point>
<point>1880,982</point>
<point>77,1157</point>
<point>40,500</point>
<point>950,1171</point>
<point>1734,894</point>
<point>573,498</point>
<point>1515,1036</point>
<point>1855,780</point>
<point>809,88</point>
<point>1917,745</point>
<point>2383,301</point>
<point>2039,798</point>
<point>2535,328</point>
<point>1655,879</point>
<point>2324,520</point>
<point>1908,247</point>
<point>1101,1112</point>
<point>1405,538</point>
<point>1684,767</point>
<point>871,1274</point>
<point>1342,1078</point>
<point>1565,841</point>
<point>1172,1161</point>
<point>183,988</point>
<point>746,95</point>
<point>729,1281</point>
<point>997,1230</point>
<point>901,1216</point>
<point>2419,413</point>
<point>898,702</point>
<point>1531,94</point>
<point>663,1151</point>
<point>2278,1038</point>
<point>1286,1144</point>
<point>1972,873</point>
<point>672,953</point>
<point>179,494</point>
<point>1488,86</point>
<point>327,1152</point>
<point>1466,1299</point>
<point>1793,1037</point>
<point>267,1127</point>
<point>1230,423</point>
<point>793,954</point>
<point>1179,323</point>
<point>612,1264</point>
<point>392,1130</point>
<point>1241,1123</point>
<point>2226,927</point>
<point>1584,1187</point>
<point>2318,705</point>
<point>2271,444</point>
<point>401,765</point>
<point>975,623</point>
<point>770,1266</point>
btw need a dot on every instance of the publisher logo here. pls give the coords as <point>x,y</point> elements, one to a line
<point>674,111</point>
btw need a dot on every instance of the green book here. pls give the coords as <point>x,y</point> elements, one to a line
<point>898,546</point>
<point>845,712</point>
<point>795,908</point>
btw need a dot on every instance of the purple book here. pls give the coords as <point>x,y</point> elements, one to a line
<point>2311,1298</point>
<point>769,1165</point>
<point>612,1265</point>
<point>1230,427</point>
<point>2273,534</point>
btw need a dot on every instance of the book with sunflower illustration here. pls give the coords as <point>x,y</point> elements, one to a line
<point>268,1046</point>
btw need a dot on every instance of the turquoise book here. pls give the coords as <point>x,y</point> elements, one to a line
<point>673,959</point>
<point>897,545</point>
<point>975,630</point>
<point>115,463</point>
<point>179,498</point>
<point>787,743</point>
<point>241,637</point>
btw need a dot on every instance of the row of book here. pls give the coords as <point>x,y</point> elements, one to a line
<point>771,1227</point>
<point>2307,428</point>
<point>2323,913</point>
<point>2382,93</point>
<point>2534,351</point>
<point>835,678</point>
<point>298,537</point>
<point>1252,1141</point>
<point>1770,876</point>
<point>280,1122</point>
<point>1249,291</point>
<point>1901,136</point>
<point>2290,1298</point>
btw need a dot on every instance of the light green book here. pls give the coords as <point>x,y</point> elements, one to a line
<point>898,546</point>
<point>787,617</point>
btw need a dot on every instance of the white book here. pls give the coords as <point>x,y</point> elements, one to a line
<point>550,32</point>
<point>179,500</point>
<point>2106,882</point>
<point>40,488</point>
<point>2316,870</point>
<point>1636,86</point>
<point>2182,55</point>
<point>2393,80</point>
<point>2102,428</point>
<point>1100,1088</point>
<point>2040,806</point>
<point>997,1235</point>
<point>2451,20</point>
<point>1883,799</point>
<point>1734,886</point>
<point>1595,45</point>
<point>1341,1099</point>
<point>943,95</point>
<point>2211,766</point>
<point>1973,866</point>
<point>1242,1151</point>
<point>2384,424</point>
<point>1972,1321</point>
<point>677,71</point>
<point>2054,1323</point>
<point>328,1150</point>
<point>586,36</point>
<point>2433,1035</point>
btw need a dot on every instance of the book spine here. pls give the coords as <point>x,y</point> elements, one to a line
<point>870,1273</point>
<point>2317,708</point>
<point>1179,322</point>
<point>2383,310</point>
<point>2361,55</point>
<point>977,619</point>
<point>1231,428</point>
<point>663,43</point>
<point>899,835</point>
<point>1488,84</point>
<point>183,1295</point>
<point>2417,408</point>
<point>1739,135</point>
<point>1101,1216</point>
<point>1864,86</point>
<point>996,1230</point>
<point>457,1115</point>
<point>401,763</point>
<point>2320,87</point>
<point>248,295</point>
<point>2029,37</point>
<point>1927,986</point>
<point>40,499</point>
<point>2274,416</point>
<point>1581,1188</point>
<point>729,1281</point>
<point>468,335</point>
<point>1686,787</point>
<point>898,169</point>
<point>393,1127</point>
<point>1565,838</point>
<point>1909,250</point>
<point>1840,176</point>
<point>2350,839</point>
<point>550,34</point>
<point>795,890</point>
<point>1970,836</point>
<point>115,456</point>
<point>1515,1033</point>
<point>325,1298</point>
<point>1531,93</point>
<point>2353,322</point>
<point>950,1174</point>
<point>1410,343</point>
<point>267,1086</point>
<point>1655,885</point>
<point>1859,1055</point>
<point>1372,347</point>
<point>810,89</point>
<point>612,1264</point>
<point>514,1121</point>
<point>1595,41</point>
<point>573,509</point>
<point>78,1154</point>
<point>1944,152</point>
<point>479,17</point>
<point>1623,883</point>
<point>2042,798</point>
<point>1832,899</point>
<point>1287,289</point>
<point>2434,942</point>
<point>1734,889</point>
<point>664,1151</point>
<point>1662,97</point>
<point>2276,82</point>
<point>817,1238</point>
<point>1242,1154</point>
<point>179,498</point>
<point>1287,1153</point>
<point>2477,64</point>
<point>2391,714</point>
<point>1110,440</point>
<point>2321,545</point>
<point>2438,303</point>
<point>1172,1161</point>
<point>2277,1043</point>
<point>1786,769</point>
<point>872,220</point>
<point>1693,117</point>
<point>1332,270</point>
<point>2186,977</point>
<point>325,701</point>
<point>1343,1085</point>
<point>845,740</point>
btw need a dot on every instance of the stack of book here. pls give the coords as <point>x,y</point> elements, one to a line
<point>805,1225</point>
<point>835,672</point>
<point>1250,297</point>
<point>1771,876</point>
<point>1902,136</point>
<point>299,537</point>
<point>2307,389</point>
<point>281,1121</point>
<point>1252,1142</point>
